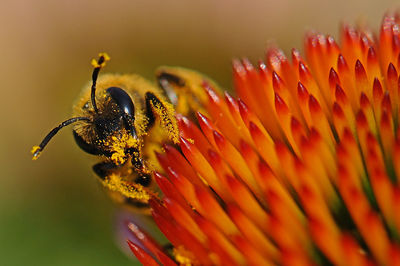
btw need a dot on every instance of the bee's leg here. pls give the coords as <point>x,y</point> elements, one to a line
<point>165,112</point>
<point>185,88</point>
<point>167,82</point>
<point>103,169</point>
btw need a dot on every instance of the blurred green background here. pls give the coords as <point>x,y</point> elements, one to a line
<point>52,211</point>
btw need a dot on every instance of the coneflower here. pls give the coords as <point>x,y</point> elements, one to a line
<point>302,168</point>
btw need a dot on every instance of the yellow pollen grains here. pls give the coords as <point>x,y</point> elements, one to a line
<point>167,123</point>
<point>118,146</point>
<point>181,257</point>
<point>35,152</point>
<point>96,64</point>
<point>128,189</point>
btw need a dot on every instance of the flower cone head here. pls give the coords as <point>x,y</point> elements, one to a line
<point>302,168</point>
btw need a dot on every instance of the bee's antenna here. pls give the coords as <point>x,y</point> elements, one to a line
<point>103,58</point>
<point>36,150</point>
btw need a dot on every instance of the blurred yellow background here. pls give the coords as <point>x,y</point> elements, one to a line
<point>52,211</point>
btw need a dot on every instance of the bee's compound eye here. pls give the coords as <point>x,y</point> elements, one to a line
<point>144,180</point>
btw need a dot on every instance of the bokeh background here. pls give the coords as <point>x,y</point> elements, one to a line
<point>52,211</point>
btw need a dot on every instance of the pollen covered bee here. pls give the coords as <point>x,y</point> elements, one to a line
<point>124,119</point>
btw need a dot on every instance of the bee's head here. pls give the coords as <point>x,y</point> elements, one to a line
<point>113,134</point>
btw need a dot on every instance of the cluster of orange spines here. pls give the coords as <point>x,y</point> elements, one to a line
<point>304,167</point>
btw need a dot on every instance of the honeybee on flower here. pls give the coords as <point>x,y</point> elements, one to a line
<point>123,119</point>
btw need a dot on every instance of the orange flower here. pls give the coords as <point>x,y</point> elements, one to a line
<point>302,169</point>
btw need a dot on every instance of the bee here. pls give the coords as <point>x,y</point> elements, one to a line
<point>123,119</point>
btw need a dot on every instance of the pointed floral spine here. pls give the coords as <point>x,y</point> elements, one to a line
<point>285,116</point>
<point>165,260</point>
<point>297,131</point>
<point>351,251</point>
<point>333,50</point>
<point>235,112</point>
<point>276,60</point>
<point>386,129</point>
<point>286,242</point>
<point>320,69</point>
<point>339,119</point>
<point>256,91</point>
<point>259,86</point>
<point>386,104</point>
<point>252,256</point>
<point>392,78</point>
<point>295,258</point>
<point>276,184</point>
<point>214,212</point>
<point>350,43</point>
<point>372,63</point>
<point>281,88</point>
<point>361,78</point>
<point>383,191</point>
<point>345,105</point>
<point>396,159</point>
<point>347,81</point>
<point>201,165</point>
<point>252,160</point>
<point>248,116</point>
<point>239,74</point>
<point>308,81</point>
<point>185,188</point>
<point>373,155</point>
<point>333,81</point>
<point>190,131</point>
<point>320,121</point>
<point>318,211</point>
<point>362,129</point>
<point>296,57</point>
<point>221,115</point>
<point>191,251</point>
<point>150,244</point>
<point>331,248</point>
<point>394,255</point>
<point>220,167</point>
<point>368,112</point>
<point>248,203</point>
<point>165,222</point>
<point>353,160</point>
<point>289,217</point>
<point>367,221</point>
<point>216,238</point>
<point>302,97</point>
<point>142,255</point>
<point>327,156</point>
<point>396,207</point>
<point>253,234</point>
<point>168,188</point>
<point>375,235</point>
<point>377,94</point>
<point>184,218</point>
<point>179,164</point>
<point>207,126</point>
<point>236,162</point>
<point>314,167</point>
<point>265,147</point>
<point>386,41</point>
